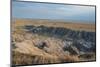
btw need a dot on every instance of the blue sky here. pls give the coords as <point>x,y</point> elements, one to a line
<point>53,11</point>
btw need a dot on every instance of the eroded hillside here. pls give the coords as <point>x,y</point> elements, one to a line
<point>42,44</point>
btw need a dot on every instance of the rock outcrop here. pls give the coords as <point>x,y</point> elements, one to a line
<point>78,41</point>
<point>52,45</point>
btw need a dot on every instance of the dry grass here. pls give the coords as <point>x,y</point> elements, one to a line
<point>74,26</point>
<point>88,57</point>
<point>23,59</point>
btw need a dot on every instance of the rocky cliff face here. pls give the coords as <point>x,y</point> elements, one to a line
<point>62,32</point>
<point>80,40</point>
<point>60,44</point>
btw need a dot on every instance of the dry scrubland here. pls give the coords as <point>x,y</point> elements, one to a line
<point>74,26</point>
<point>32,48</point>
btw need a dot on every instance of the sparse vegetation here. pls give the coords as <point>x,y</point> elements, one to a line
<point>36,42</point>
<point>23,59</point>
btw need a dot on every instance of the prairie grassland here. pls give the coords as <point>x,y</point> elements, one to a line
<point>23,59</point>
<point>50,23</point>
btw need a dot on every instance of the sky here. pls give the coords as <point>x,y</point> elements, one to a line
<point>33,10</point>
